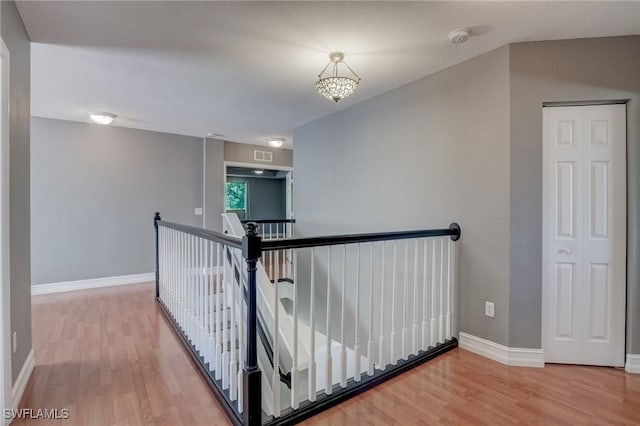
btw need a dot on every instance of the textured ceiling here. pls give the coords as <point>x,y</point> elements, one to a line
<point>246,70</point>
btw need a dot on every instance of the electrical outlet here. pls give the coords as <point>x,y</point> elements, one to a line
<point>14,342</point>
<point>489,309</point>
<point>198,211</point>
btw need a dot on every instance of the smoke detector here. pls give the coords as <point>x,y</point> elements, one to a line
<point>459,36</point>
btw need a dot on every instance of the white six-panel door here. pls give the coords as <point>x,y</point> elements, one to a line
<point>584,234</point>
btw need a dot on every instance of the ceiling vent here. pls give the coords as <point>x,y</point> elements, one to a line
<point>265,156</point>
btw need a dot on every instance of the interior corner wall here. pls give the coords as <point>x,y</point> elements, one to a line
<point>214,176</point>
<point>243,153</point>
<point>568,70</point>
<point>94,190</point>
<point>17,41</point>
<point>422,156</point>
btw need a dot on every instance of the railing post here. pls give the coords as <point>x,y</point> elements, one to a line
<point>252,385</point>
<point>456,228</point>
<point>156,219</point>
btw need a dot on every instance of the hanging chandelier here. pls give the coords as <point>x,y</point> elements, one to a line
<point>336,87</point>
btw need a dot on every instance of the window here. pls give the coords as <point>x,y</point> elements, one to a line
<point>236,196</point>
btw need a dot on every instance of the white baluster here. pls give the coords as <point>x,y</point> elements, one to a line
<point>205,302</point>
<point>190,323</point>
<point>228,277</point>
<point>381,360</point>
<point>441,293</point>
<point>394,342</point>
<point>272,274</point>
<point>343,351</point>
<point>356,348</point>
<point>370,336</point>
<point>433,294</point>
<point>450,275</point>
<point>241,340</point>
<point>312,326</point>
<point>212,308</point>
<point>405,303</point>
<point>329,372</point>
<point>161,262</point>
<point>195,293</point>
<point>200,298</point>
<point>294,368</point>
<point>233,366</point>
<point>425,296</point>
<point>219,305</point>
<point>275,378</point>
<point>414,342</point>
<point>180,280</point>
<point>185,282</point>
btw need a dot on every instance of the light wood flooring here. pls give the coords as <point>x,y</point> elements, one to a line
<point>109,356</point>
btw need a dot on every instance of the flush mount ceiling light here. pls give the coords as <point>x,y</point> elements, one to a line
<point>258,171</point>
<point>276,143</point>
<point>336,87</point>
<point>103,118</point>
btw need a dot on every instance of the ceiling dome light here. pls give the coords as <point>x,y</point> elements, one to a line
<point>276,143</point>
<point>258,171</point>
<point>336,87</point>
<point>104,118</point>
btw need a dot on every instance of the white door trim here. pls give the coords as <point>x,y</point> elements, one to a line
<point>267,166</point>
<point>575,242</point>
<point>5,258</point>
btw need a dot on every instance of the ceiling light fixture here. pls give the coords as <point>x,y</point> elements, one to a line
<point>104,118</point>
<point>337,87</point>
<point>276,143</point>
<point>258,171</point>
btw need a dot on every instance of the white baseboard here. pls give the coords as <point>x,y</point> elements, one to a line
<point>23,378</point>
<point>519,357</point>
<point>633,364</point>
<point>63,286</point>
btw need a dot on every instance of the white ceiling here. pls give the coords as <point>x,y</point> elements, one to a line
<point>246,70</point>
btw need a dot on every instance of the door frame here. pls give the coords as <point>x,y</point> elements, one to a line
<point>545,316</point>
<point>267,166</point>
<point>5,304</point>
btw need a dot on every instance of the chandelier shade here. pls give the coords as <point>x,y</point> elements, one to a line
<point>336,87</point>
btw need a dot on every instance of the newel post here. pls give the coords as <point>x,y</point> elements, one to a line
<point>156,219</point>
<point>252,385</point>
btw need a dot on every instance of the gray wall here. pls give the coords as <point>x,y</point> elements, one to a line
<point>469,142</point>
<point>94,191</point>
<point>243,153</point>
<point>215,175</point>
<point>266,198</point>
<point>19,45</point>
<point>449,134</point>
<point>571,70</point>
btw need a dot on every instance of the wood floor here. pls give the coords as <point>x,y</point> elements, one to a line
<point>110,358</point>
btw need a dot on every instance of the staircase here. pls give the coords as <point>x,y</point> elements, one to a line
<point>283,327</point>
<point>277,394</point>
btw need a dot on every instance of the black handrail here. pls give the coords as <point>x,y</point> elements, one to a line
<point>245,221</point>
<point>214,236</point>
<point>293,243</point>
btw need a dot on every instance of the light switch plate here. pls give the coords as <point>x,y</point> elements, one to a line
<point>198,211</point>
